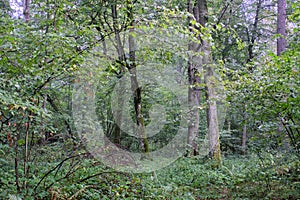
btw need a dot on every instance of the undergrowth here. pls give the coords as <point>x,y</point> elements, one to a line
<point>260,176</point>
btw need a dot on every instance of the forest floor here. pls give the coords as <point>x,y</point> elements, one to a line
<point>253,176</point>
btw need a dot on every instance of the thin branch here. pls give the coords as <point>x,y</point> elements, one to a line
<point>55,168</point>
<point>97,174</point>
<point>222,13</point>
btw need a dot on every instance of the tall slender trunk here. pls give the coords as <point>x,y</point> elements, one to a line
<point>281,46</point>
<point>210,84</point>
<point>26,156</point>
<point>136,89</point>
<point>252,34</point>
<point>26,11</point>
<point>193,90</point>
<point>116,130</point>
<point>17,169</point>
<point>281,26</point>
<point>193,99</point>
<point>244,132</point>
<point>137,97</point>
<point>212,114</point>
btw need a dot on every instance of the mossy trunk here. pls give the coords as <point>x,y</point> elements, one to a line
<point>210,86</point>
<point>194,68</point>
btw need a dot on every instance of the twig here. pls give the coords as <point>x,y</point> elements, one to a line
<point>100,173</point>
<point>52,170</point>
<point>80,191</point>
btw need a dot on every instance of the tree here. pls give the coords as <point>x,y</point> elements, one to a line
<point>201,57</point>
<point>27,10</point>
<point>119,19</point>
<point>281,26</point>
<point>31,74</point>
<point>194,71</point>
<point>136,89</point>
<point>210,86</point>
<point>244,36</point>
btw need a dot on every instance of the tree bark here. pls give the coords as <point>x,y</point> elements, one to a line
<point>116,130</point>
<point>193,90</point>
<point>244,132</point>
<point>210,84</point>
<point>281,26</point>
<point>193,99</point>
<point>136,89</point>
<point>27,10</point>
<point>212,114</point>
<point>252,34</point>
<point>281,46</point>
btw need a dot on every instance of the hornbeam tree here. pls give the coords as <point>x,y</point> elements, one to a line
<point>210,84</point>
<point>201,60</point>
<point>281,26</point>
<point>194,82</point>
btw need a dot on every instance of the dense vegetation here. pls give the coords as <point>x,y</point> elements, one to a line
<point>71,68</point>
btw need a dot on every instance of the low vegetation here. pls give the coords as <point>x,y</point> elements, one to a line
<point>254,176</point>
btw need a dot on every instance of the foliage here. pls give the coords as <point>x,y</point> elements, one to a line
<point>254,176</point>
<point>240,177</point>
<point>41,154</point>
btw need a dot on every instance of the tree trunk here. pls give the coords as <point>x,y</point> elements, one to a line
<point>252,34</point>
<point>212,114</point>
<point>193,90</point>
<point>281,45</point>
<point>281,26</point>
<point>193,99</point>
<point>244,131</point>
<point>116,130</point>
<point>210,84</point>
<point>26,10</point>
<point>244,139</point>
<point>136,89</point>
